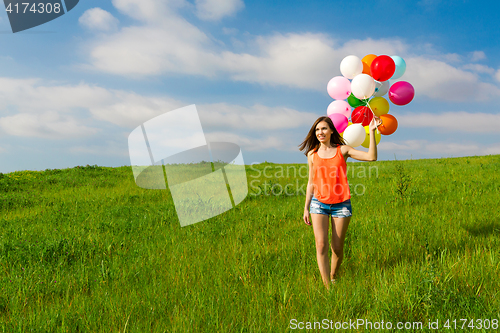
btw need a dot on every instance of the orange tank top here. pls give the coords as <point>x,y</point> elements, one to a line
<point>330,178</point>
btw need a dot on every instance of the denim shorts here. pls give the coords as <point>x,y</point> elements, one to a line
<point>342,209</point>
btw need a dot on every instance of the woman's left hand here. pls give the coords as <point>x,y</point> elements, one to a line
<point>376,122</point>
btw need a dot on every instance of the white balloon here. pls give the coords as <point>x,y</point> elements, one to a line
<point>381,88</point>
<point>354,135</point>
<point>363,86</point>
<point>351,66</point>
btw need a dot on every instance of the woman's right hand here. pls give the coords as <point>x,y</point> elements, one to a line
<point>306,217</point>
<point>374,124</point>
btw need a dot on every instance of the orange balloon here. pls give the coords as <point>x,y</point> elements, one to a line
<point>367,62</point>
<point>389,124</point>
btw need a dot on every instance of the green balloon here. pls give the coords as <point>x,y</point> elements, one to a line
<point>355,102</point>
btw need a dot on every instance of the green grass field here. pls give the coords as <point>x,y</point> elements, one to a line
<point>86,250</point>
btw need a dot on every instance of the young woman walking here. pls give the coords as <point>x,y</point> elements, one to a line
<point>328,191</point>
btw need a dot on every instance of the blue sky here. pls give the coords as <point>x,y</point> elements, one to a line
<point>72,90</point>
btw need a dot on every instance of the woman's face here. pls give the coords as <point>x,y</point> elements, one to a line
<point>323,132</point>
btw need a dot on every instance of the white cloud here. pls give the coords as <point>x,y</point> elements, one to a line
<point>214,10</point>
<point>29,95</point>
<point>220,121</point>
<point>441,81</point>
<point>492,150</point>
<point>461,122</point>
<point>449,148</point>
<point>497,75</point>
<point>109,148</point>
<point>167,43</point>
<point>149,11</point>
<point>256,128</point>
<point>449,58</point>
<point>129,110</point>
<point>297,60</point>
<point>478,55</point>
<point>360,47</point>
<point>257,117</point>
<point>304,60</point>
<point>98,19</point>
<point>176,47</point>
<point>438,149</point>
<point>250,143</point>
<point>408,145</point>
<point>47,125</point>
<point>32,109</point>
<point>479,68</point>
<point>229,31</point>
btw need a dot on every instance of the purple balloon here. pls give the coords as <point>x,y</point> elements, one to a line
<point>401,93</point>
<point>339,121</point>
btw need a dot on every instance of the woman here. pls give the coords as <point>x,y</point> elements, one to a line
<point>328,190</point>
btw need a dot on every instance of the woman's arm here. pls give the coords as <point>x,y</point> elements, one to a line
<point>371,155</point>
<point>309,190</point>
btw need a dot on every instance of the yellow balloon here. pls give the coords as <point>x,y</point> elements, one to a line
<point>366,143</point>
<point>379,106</point>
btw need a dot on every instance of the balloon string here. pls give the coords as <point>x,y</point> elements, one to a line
<point>369,107</point>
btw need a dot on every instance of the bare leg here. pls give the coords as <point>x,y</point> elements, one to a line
<point>339,230</point>
<point>320,225</point>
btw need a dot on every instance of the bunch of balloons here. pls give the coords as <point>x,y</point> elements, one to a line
<point>362,86</point>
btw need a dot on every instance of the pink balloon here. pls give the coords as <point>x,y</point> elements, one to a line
<point>339,106</point>
<point>339,121</point>
<point>401,93</point>
<point>339,87</point>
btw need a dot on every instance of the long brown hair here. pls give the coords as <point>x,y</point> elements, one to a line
<point>311,142</point>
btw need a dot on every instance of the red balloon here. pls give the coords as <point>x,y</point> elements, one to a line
<point>382,68</point>
<point>362,114</point>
